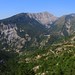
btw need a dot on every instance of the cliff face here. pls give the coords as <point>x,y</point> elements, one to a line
<point>44,18</point>
<point>26,30</point>
<point>9,37</point>
<point>65,25</point>
<point>19,29</point>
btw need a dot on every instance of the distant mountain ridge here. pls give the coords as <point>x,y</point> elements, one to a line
<point>37,29</point>
<point>65,25</point>
<point>35,25</point>
<point>43,18</point>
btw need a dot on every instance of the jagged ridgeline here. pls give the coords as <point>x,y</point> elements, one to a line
<point>64,25</point>
<point>29,30</point>
<point>26,30</point>
<point>37,44</point>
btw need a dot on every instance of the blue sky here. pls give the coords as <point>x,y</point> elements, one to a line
<point>56,7</point>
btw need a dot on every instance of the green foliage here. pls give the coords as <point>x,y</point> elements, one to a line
<point>55,64</point>
<point>9,65</point>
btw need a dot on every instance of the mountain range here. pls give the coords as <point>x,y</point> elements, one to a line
<point>37,44</point>
<point>28,30</point>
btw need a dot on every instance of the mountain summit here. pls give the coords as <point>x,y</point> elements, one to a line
<point>65,25</point>
<point>35,29</point>
<point>30,29</point>
<point>43,18</point>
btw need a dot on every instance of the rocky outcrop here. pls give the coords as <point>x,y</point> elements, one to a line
<point>65,25</point>
<point>8,35</point>
<point>44,18</point>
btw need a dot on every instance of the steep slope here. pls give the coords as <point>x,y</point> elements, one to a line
<point>43,18</point>
<point>30,21</point>
<point>65,25</point>
<point>57,59</point>
<point>30,29</point>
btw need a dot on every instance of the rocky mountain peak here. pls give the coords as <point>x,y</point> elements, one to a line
<point>44,18</point>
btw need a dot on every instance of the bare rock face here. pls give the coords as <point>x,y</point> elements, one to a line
<point>44,18</point>
<point>8,33</point>
<point>69,27</point>
<point>23,28</point>
<point>65,25</point>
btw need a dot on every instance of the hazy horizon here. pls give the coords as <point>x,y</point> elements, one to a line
<point>57,8</point>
